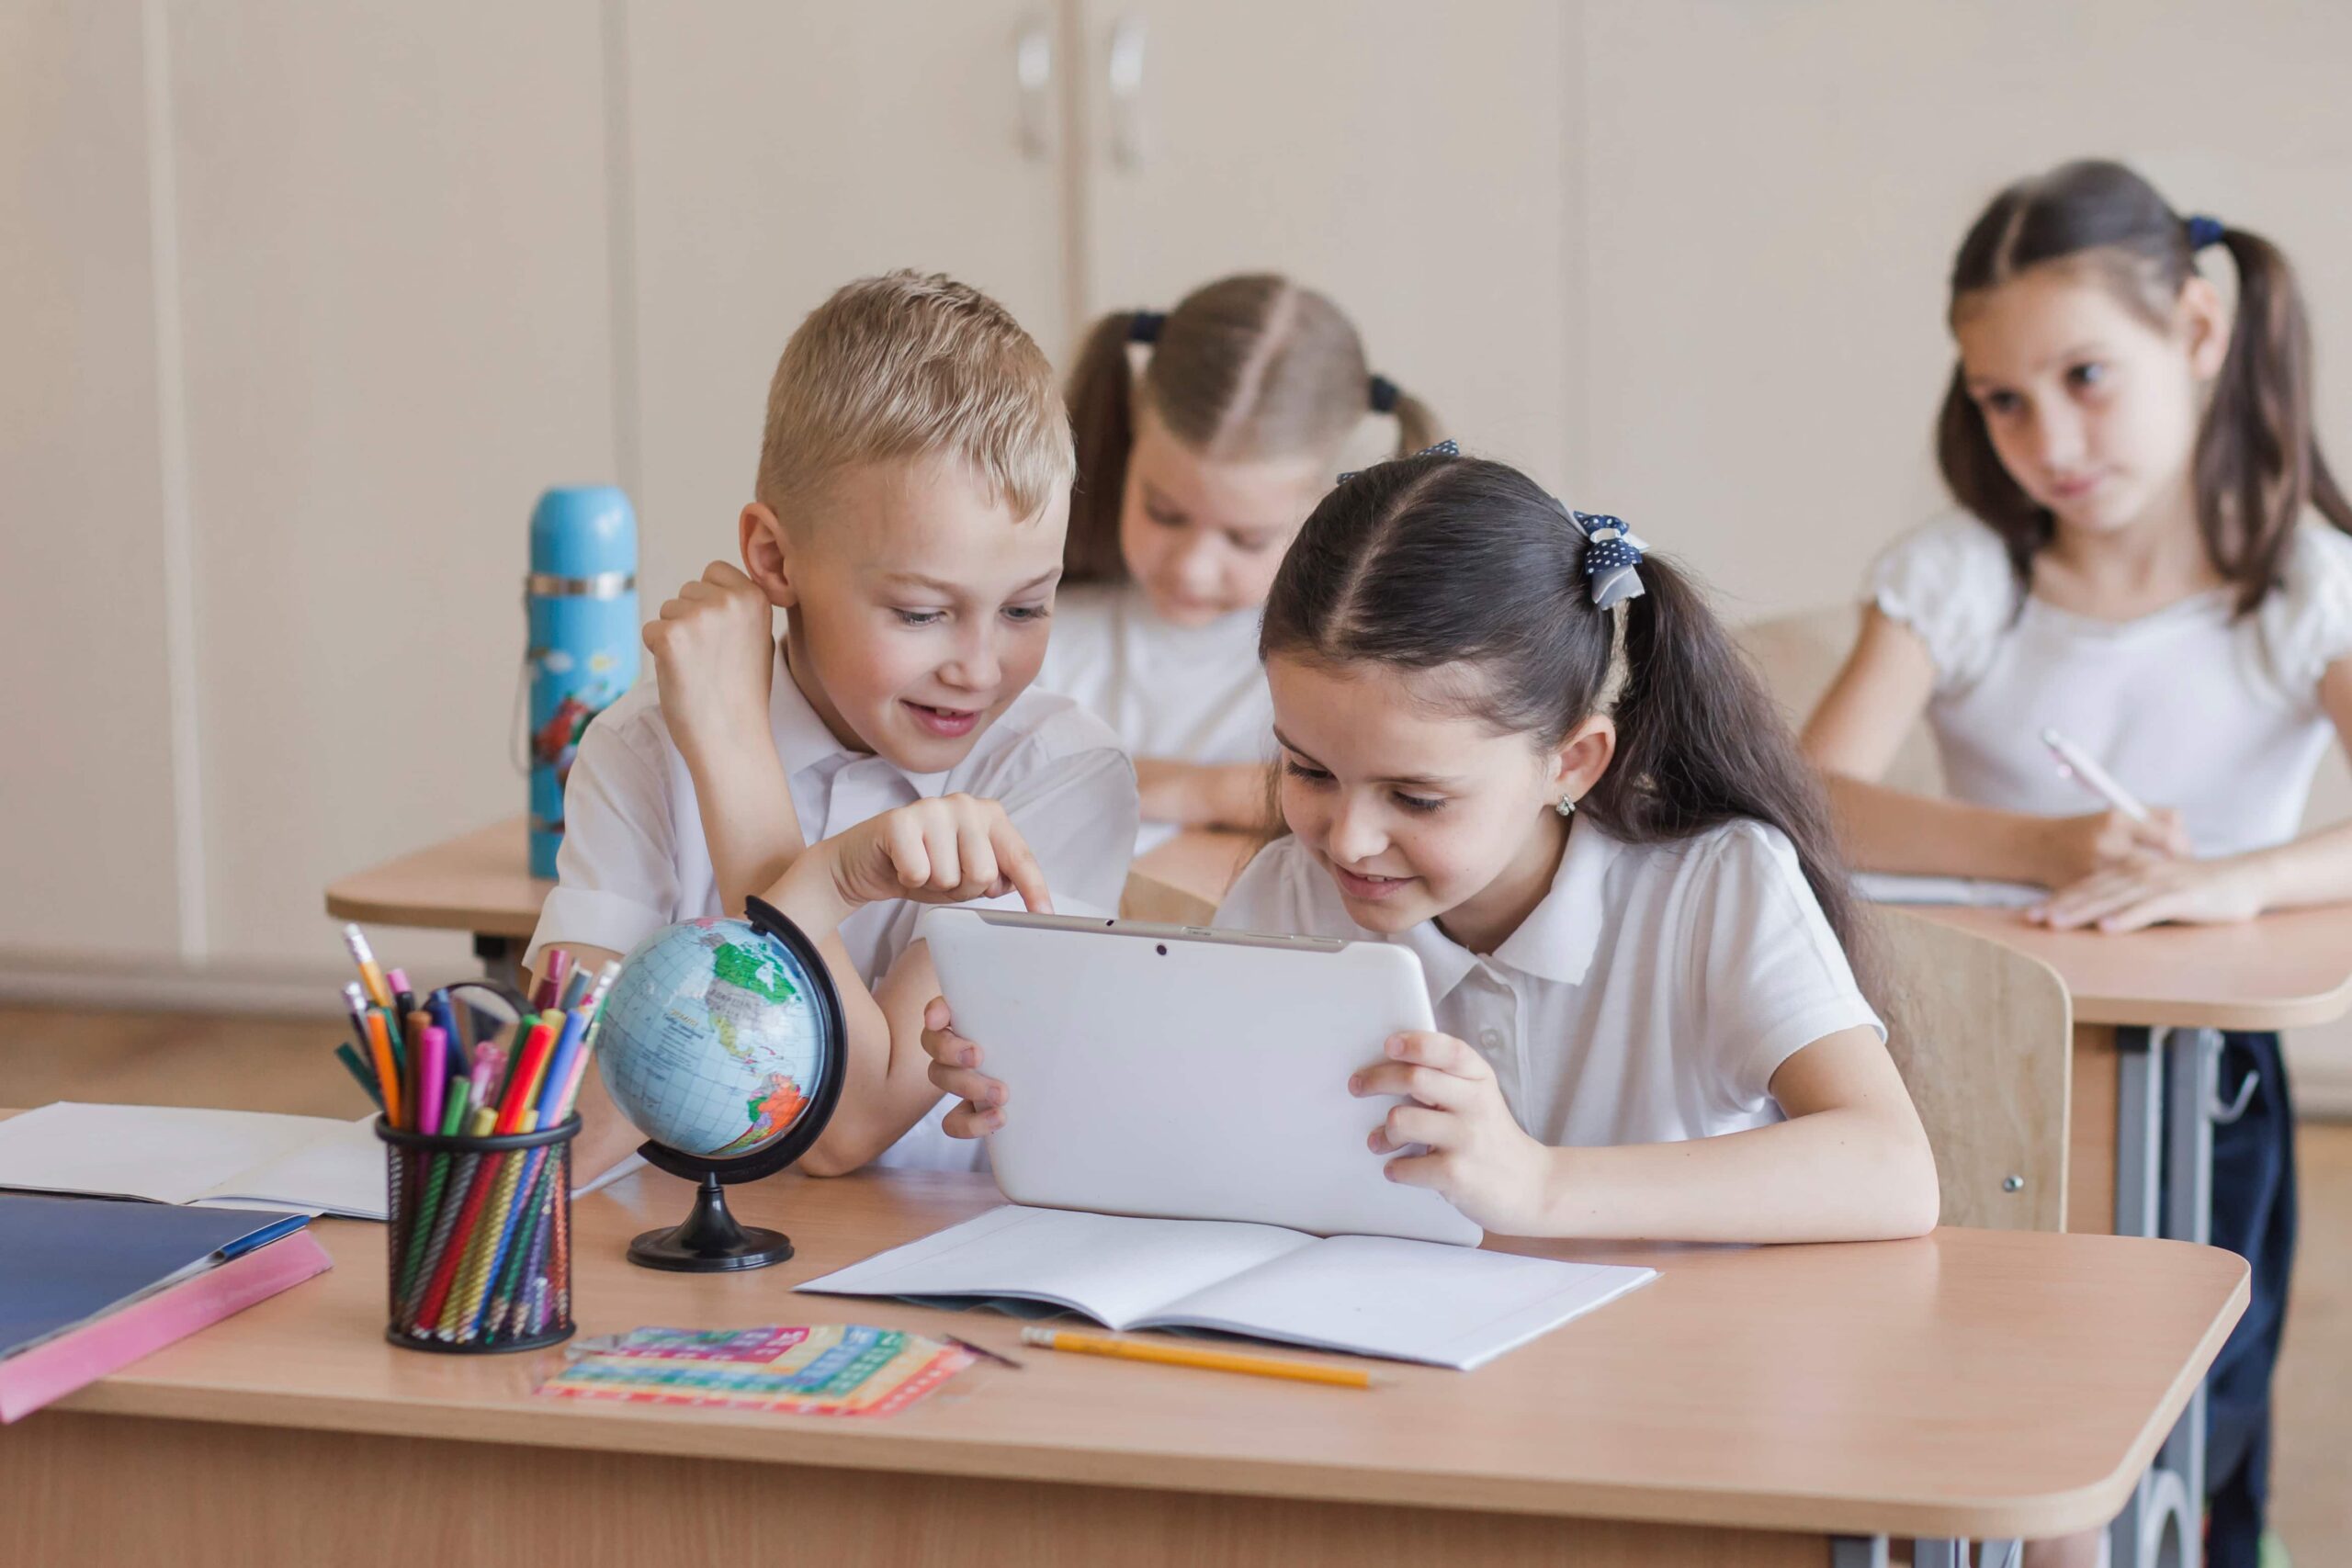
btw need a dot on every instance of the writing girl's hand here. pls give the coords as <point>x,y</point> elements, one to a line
<point>948,851</point>
<point>2078,847</point>
<point>955,1070</point>
<point>714,654</point>
<point>1479,1159</point>
<point>2153,889</point>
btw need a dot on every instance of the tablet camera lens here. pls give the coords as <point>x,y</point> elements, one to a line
<point>1162,948</point>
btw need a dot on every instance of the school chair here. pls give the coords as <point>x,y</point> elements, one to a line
<point>1797,655</point>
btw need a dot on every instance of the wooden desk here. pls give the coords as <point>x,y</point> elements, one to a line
<point>1734,1413</point>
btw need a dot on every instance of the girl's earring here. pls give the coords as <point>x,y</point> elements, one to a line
<point>1567,807</point>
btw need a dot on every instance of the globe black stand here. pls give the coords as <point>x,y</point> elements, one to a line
<point>710,1241</point>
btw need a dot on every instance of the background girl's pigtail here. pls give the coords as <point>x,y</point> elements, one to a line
<point>1416,425</point>
<point>2258,462</point>
<point>1101,396</point>
<point>1699,743</point>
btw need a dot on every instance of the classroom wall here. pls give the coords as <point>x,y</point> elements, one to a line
<point>301,306</point>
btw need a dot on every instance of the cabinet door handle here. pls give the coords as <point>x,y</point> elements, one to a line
<point>1032,73</point>
<point>1124,77</point>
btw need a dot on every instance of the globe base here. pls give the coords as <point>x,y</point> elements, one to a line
<point>709,1242</point>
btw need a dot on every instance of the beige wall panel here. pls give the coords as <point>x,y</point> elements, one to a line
<point>394,246</point>
<point>778,151</point>
<point>86,840</point>
<point>1416,167</point>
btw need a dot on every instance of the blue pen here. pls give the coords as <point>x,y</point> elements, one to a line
<point>567,1047</point>
<point>445,1018</point>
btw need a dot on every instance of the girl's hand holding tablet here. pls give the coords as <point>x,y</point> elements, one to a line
<point>955,1072</point>
<point>1456,1136</point>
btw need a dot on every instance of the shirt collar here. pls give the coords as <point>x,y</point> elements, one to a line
<point>1560,935</point>
<point>804,742</point>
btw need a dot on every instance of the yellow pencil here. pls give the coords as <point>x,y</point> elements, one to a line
<point>1195,1356</point>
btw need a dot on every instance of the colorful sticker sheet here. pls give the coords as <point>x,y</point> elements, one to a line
<point>828,1368</point>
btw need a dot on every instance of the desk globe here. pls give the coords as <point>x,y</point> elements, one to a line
<point>723,1042</point>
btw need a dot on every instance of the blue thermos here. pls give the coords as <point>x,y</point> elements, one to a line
<point>581,602</point>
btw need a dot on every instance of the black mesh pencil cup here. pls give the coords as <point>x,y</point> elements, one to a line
<point>480,1239</point>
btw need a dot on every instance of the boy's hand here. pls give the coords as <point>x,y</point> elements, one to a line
<point>955,1072</point>
<point>1478,1159</point>
<point>948,851</point>
<point>714,651</point>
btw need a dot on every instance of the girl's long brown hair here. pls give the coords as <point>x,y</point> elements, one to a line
<point>1245,368</point>
<point>1437,561</point>
<point>2257,463</point>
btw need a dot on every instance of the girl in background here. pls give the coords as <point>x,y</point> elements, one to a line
<point>1193,474</point>
<point>2137,566</point>
<point>1615,870</point>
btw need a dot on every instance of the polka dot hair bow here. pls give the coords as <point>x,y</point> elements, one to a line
<point>1613,558</point>
<point>1442,449</point>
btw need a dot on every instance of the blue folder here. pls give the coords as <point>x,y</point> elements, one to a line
<point>64,1261</point>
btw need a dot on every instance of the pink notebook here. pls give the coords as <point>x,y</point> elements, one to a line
<point>56,1368</point>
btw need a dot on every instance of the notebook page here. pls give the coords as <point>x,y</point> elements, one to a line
<point>1113,1268</point>
<point>164,1153</point>
<point>338,1172</point>
<point>1886,888</point>
<point>1409,1300</point>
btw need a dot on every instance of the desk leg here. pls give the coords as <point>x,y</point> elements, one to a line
<point>502,957</point>
<point>1857,1551</point>
<point>2162,1180</point>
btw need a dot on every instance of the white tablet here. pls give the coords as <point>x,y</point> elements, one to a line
<point>1184,1073</point>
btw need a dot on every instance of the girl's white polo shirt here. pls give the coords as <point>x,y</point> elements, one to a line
<point>634,858</point>
<point>1188,694</point>
<point>1648,999</point>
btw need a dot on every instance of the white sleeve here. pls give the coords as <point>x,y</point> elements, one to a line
<point>1950,583</point>
<point>1078,815</point>
<point>616,875</point>
<point>1269,897</point>
<point>1775,978</point>
<point>2305,622</point>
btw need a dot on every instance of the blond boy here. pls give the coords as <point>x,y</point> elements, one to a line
<point>908,514</point>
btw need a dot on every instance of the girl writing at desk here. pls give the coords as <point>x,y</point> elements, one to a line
<point>2135,566</point>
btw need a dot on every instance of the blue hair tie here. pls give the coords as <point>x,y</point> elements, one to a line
<point>2204,231</point>
<point>1442,449</point>
<point>1613,558</point>
<point>1144,326</point>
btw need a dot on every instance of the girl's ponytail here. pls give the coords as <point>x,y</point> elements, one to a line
<point>1417,427</point>
<point>2257,456</point>
<point>1700,744</point>
<point>1100,397</point>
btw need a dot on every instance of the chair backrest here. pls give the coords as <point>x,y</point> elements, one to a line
<point>1799,654</point>
<point>1983,1037</point>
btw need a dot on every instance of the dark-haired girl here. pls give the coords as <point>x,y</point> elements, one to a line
<point>1205,435</point>
<point>1614,867</point>
<point>2151,559</point>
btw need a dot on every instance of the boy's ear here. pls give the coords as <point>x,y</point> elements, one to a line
<point>1583,756</point>
<point>767,554</point>
<point>2206,322</point>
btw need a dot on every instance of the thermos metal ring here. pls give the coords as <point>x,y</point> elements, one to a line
<point>604,585</point>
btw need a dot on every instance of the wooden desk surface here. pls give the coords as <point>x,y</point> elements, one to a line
<point>480,881</point>
<point>1971,1382</point>
<point>2283,971</point>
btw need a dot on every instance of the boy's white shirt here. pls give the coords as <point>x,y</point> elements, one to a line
<point>634,858</point>
<point>1649,998</point>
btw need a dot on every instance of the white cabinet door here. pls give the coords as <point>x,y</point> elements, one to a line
<point>1411,163</point>
<point>776,152</point>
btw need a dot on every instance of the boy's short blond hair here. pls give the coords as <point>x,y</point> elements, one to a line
<point>908,366</point>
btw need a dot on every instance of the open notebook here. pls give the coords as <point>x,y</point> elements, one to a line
<point>1408,1300</point>
<point>1886,888</point>
<point>223,1159</point>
